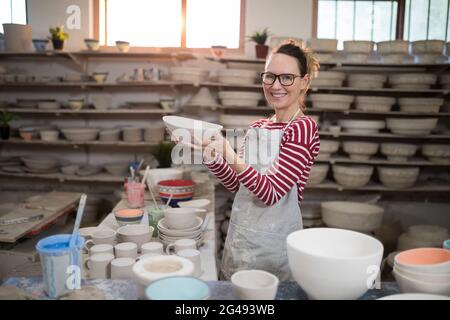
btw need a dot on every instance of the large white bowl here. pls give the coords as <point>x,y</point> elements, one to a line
<point>318,174</point>
<point>398,151</point>
<point>436,152</point>
<point>138,233</point>
<point>40,162</point>
<point>188,127</point>
<point>360,150</point>
<point>366,81</point>
<point>353,176</point>
<point>237,76</point>
<point>355,216</point>
<point>374,103</point>
<point>161,174</point>
<point>419,105</point>
<point>411,126</point>
<point>362,126</point>
<point>330,263</point>
<point>359,46</point>
<point>80,134</point>
<point>428,46</point>
<point>412,80</point>
<point>393,46</point>
<point>331,101</point>
<point>414,296</point>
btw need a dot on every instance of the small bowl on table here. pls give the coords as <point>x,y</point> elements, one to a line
<point>181,190</point>
<point>92,44</point>
<point>76,104</point>
<point>128,216</point>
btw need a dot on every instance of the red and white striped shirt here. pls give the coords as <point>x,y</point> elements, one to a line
<point>299,147</point>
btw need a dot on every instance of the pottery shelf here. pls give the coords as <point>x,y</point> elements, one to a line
<point>380,161</point>
<point>100,177</point>
<point>386,136</point>
<point>75,144</point>
<point>372,186</point>
<point>119,111</point>
<point>265,109</point>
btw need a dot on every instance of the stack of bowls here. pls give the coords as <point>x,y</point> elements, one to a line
<point>40,164</point>
<point>201,204</point>
<point>80,134</point>
<point>237,76</point>
<point>420,105</point>
<point>133,134</point>
<point>398,177</point>
<point>398,151</point>
<point>331,101</point>
<point>362,126</point>
<point>374,104</point>
<point>366,81</point>
<point>411,126</point>
<point>318,174</point>
<point>423,270</point>
<point>117,169</point>
<point>322,45</point>
<point>428,51</point>
<point>327,148</point>
<point>312,215</point>
<point>110,135</point>
<point>354,176</point>
<point>396,51</point>
<point>154,133</point>
<point>189,74</point>
<point>422,236</point>
<point>436,152</point>
<point>181,190</point>
<point>203,98</point>
<point>360,150</point>
<point>180,223</point>
<point>329,79</point>
<point>419,81</point>
<point>240,98</point>
<point>358,51</point>
<point>357,216</point>
<point>330,263</point>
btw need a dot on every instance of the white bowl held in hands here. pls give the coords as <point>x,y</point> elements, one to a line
<point>186,127</point>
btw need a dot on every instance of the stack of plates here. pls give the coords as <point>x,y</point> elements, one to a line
<point>167,235</point>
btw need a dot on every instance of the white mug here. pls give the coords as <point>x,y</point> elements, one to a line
<point>99,265</point>
<point>194,256</point>
<point>181,244</point>
<point>122,268</point>
<point>126,250</point>
<point>101,248</point>
<point>152,247</point>
<point>101,237</point>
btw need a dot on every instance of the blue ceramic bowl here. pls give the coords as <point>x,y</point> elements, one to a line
<point>177,288</point>
<point>446,244</point>
<point>40,44</point>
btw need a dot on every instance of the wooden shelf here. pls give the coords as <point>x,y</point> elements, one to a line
<point>380,161</point>
<point>385,135</point>
<point>100,177</point>
<point>426,187</point>
<point>119,111</point>
<point>74,144</point>
<point>97,54</point>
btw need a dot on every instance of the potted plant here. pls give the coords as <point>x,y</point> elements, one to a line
<point>58,36</point>
<point>164,154</point>
<point>260,38</point>
<point>5,119</point>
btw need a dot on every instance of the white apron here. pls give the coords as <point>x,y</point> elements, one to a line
<point>257,233</point>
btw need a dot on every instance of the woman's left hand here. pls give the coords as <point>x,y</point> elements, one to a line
<point>218,144</point>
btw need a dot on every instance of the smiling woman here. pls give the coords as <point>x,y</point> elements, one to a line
<point>154,23</point>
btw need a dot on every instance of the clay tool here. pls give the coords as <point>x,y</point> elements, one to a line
<point>76,227</point>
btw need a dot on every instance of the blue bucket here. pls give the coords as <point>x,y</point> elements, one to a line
<point>61,265</point>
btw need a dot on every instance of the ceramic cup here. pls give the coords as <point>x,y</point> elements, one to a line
<point>122,268</point>
<point>135,195</point>
<point>194,256</point>
<point>126,250</point>
<point>254,285</point>
<point>99,265</point>
<point>181,245</point>
<point>152,247</point>
<point>101,237</point>
<point>101,248</point>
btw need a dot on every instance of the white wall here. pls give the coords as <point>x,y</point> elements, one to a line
<point>45,13</point>
<point>291,18</point>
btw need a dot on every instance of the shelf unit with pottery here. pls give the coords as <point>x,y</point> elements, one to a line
<point>81,62</point>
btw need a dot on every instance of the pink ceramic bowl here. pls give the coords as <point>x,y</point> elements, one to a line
<point>427,260</point>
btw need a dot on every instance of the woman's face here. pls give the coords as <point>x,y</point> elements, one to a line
<point>281,96</point>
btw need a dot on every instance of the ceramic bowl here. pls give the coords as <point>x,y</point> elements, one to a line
<point>424,260</point>
<point>425,277</point>
<point>178,288</point>
<point>436,152</point>
<point>40,162</point>
<point>327,148</point>
<point>414,296</point>
<point>110,135</point>
<point>366,81</point>
<point>40,44</point>
<point>240,98</point>
<point>100,77</point>
<point>359,46</point>
<point>398,151</point>
<point>374,103</point>
<point>322,45</point>
<point>393,46</point>
<point>362,126</point>
<point>337,271</point>
<point>428,46</point>
<point>180,218</point>
<point>331,101</point>
<point>80,134</point>
<point>123,46</point>
<point>160,174</point>
<point>181,190</point>
<point>49,135</point>
<point>318,173</point>
<point>411,126</point>
<point>138,234</point>
<point>27,134</point>
<point>196,204</point>
<point>76,104</point>
<point>410,285</point>
<point>128,216</point>
<point>218,51</point>
<point>153,268</point>
<point>92,44</point>
<point>187,127</point>
<point>355,216</point>
<point>412,80</point>
<point>398,177</point>
<point>164,227</point>
<point>353,176</point>
<point>117,169</point>
<point>189,74</point>
<point>420,105</point>
<point>446,244</point>
<point>254,285</point>
<point>359,150</point>
<point>429,232</point>
<point>237,76</point>
<point>133,134</point>
<point>70,169</point>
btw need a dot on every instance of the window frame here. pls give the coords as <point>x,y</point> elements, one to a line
<point>183,48</point>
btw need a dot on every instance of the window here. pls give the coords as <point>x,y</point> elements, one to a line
<point>12,11</point>
<point>171,23</point>
<point>427,19</point>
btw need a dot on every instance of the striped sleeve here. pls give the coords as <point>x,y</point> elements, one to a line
<point>222,170</point>
<point>299,148</point>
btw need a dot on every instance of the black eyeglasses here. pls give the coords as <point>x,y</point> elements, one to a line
<point>286,79</point>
